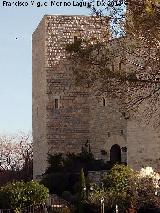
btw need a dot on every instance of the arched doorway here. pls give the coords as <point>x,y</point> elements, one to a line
<point>115,154</point>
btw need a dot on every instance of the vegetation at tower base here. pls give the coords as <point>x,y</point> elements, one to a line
<point>121,186</point>
<point>72,162</point>
<point>63,172</point>
<point>118,188</point>
<point>18,195</point>
<point>82,196</point>
<point>82,186</point>
<point>125,188</point>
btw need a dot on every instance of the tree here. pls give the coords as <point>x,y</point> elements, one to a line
<point>16,151</point>
<point>16,157</point>
<point>36,193</point>
<point>19,195</point>
<point>120,184</point>
<point>126,68</point>
<point>82,191</point>
<point>82,186</point>
<point>96,193</point>
<point>143,20</point>
<point>127,189</point>
<point>139,18</point>
<point>55,163</point>
<point>15,194</point>
<point>146,194</point>
<point>148,188</point>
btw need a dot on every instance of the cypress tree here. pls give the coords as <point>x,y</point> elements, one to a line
<point>82,186</point>
<point>82,191</point>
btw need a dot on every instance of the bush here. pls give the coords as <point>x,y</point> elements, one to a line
<point>55,163</point>
<point>18,195</point>
<point>56,182</point>
<point>14,192</point>
<point>120,186</point>
<point>35,193</point>
<point>127,189</point>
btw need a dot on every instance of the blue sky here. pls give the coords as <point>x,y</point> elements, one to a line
<point>17,25</point>
<point>16,63</point>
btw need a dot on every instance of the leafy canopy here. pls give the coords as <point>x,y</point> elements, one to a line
<point>19,195</point>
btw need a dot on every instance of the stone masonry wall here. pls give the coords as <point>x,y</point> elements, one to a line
<point>143,145</point>
<point>68,125</point>
<point>39,100</point>
<point>66,122</point>
<point>143,138</point>
<point>107,126</point>
<point>65,116</point>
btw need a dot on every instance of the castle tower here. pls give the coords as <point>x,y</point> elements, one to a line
<point>65,116</point>
<point>60,108</point>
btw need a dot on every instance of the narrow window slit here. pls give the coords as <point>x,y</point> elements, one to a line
<point>104,101</point>
<point>56,103</point>
<point>75,38</point>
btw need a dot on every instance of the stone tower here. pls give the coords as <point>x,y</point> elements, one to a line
<point>65,116</point>
<point>60,109</point>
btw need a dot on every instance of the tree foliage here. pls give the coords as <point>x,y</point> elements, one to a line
<point>142,20</point>
<point>120,183</point>
<point>146,193</point>
<point>16,151</point>
<point>82,186</point>
<point>139,18</point>
<point>16,161</point>
<point>71,161</point>
<point>96,193</point>
<point>18,195</point>
<point>119,177</point>
<point>126,68</point>
<point>125,188</point>
<point>36,193</point>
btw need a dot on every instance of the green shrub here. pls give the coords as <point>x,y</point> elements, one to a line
<point>35,193</point>
<point>120,184</point>
<point>56,182</point>
<point>124,187</point>
<point>18,195</point>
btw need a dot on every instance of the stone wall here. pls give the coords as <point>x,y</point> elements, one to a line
<point>107,126</point>
<point>142,133</point>
<point>68,125</point>
<point>65,107</point>
<point>65,116</point>
<point>143,145</point>
<point>96,176</point>
<point>39,100</point>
